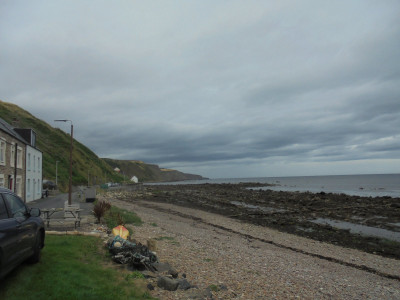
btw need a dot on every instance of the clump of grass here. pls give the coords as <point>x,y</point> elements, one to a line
<point>154,224</point>
<point>214,288</point>
<point>135,275</point>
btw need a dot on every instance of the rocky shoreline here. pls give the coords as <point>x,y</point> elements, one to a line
<point>309,215</point>
<point>226,258</point>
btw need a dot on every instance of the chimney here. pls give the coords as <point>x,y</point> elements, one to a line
<point>15,122</point>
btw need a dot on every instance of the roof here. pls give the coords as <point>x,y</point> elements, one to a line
<point>10,130</point>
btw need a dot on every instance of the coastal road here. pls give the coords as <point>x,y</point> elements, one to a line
<point>58,201</point>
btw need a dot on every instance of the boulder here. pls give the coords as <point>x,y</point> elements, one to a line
<point>161,267</point>
<point>184,284</point>
<point>167,283</point>
<point>173,273</point>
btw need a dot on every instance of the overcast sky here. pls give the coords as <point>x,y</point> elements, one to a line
<point>217,88</point>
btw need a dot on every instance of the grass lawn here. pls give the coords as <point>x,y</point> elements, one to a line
<point>72,267</point>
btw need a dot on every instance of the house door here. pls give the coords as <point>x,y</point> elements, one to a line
<point>10,182</point>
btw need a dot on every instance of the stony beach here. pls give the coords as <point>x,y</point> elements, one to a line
<point>303,214</point>
<point>230,258</point>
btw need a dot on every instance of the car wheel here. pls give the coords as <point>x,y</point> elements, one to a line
<point>35,258</point>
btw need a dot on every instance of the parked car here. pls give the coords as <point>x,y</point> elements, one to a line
<point>22,232</point>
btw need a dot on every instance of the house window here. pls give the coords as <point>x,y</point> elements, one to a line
<point>38,164</point>
<point>2,180</point>
<point>34,165</point>
<point>28,188</point>
<point>19,158</point>
<point>12,157</point>
<point>2,152</point>
<point>29,162</point>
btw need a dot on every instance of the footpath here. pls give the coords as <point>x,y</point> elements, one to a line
<point>57,220</point>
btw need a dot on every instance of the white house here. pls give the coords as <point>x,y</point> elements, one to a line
<point>134,179</point>
<point>34,174</point>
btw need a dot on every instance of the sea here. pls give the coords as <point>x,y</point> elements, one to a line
<point>371,185</point>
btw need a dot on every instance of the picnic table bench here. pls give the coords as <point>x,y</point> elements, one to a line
<point>71,212</point>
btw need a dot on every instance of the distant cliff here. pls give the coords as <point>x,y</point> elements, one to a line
<point>148,172</point>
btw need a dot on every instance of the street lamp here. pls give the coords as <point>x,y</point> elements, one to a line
<point>70,161</point>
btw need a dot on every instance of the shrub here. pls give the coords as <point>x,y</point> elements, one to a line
<point>100,209</point>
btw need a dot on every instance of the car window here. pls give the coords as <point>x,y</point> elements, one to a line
<point>15,204</point>
<point>3,209</point>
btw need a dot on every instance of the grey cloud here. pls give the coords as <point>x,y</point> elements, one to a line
<point>209,86</point>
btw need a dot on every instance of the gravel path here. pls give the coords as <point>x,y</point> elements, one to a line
<point>245,261</point>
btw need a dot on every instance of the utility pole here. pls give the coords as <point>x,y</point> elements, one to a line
<point>57,173</point>
<point>70,161</point>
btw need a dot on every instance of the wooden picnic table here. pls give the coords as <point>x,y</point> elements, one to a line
<point>71,212</point>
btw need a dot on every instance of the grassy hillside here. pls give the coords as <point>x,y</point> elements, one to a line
<point>55,145</point>
<point>147,172</point>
